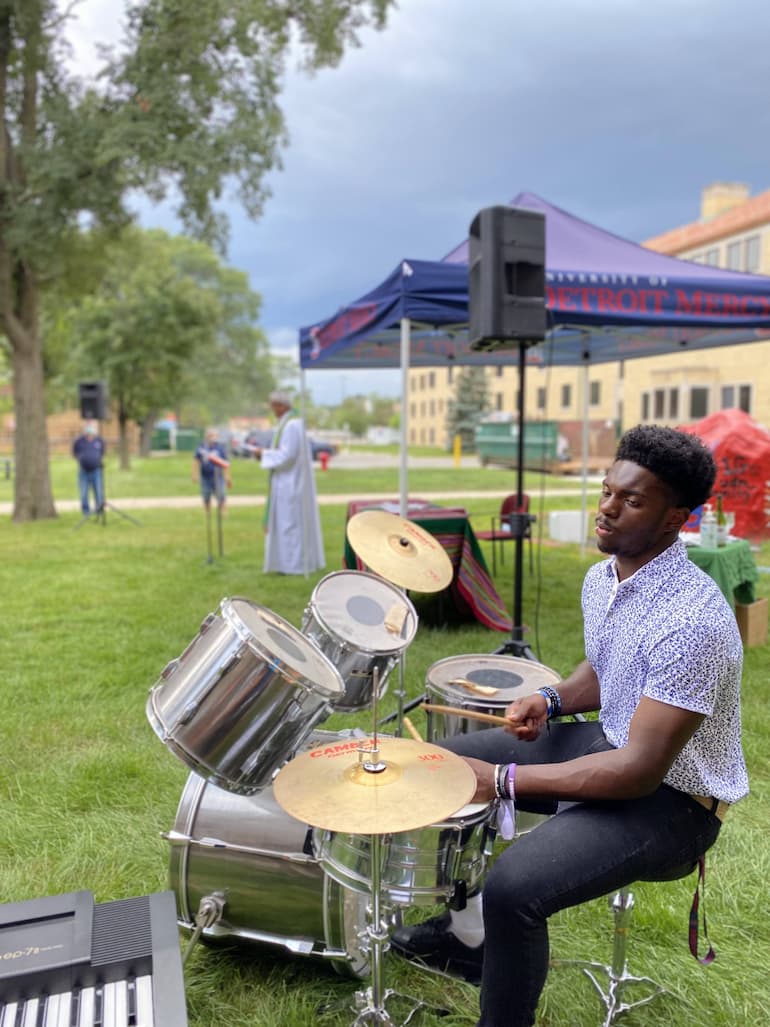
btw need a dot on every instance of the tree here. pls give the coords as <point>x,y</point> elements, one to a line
<point>189,104</point>
<point>168,324</point>
<point>469,405</point>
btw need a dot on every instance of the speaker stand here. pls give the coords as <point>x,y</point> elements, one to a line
<point>519,522</point>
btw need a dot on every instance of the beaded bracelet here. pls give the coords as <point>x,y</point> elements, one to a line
<point>552,701</point>
<point>501,769</point>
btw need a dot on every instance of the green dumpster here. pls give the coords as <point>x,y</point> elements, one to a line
<point>497,442</point>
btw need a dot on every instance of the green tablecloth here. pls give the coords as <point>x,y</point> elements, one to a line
<point>733,568</point>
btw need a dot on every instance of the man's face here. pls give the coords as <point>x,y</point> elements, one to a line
<point>636,520</point>
<point>278,408</point>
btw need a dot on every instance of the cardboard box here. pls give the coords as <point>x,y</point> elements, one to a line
<point>752,622</point>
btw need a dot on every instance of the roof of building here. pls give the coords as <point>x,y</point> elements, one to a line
<point>741,218</point>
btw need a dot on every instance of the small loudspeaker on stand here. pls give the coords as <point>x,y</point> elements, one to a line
<point>506,300</point>
<point>506,278</point>
<point>93,401</point>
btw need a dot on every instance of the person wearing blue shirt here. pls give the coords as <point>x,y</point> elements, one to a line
<point>211,470</point>
<point>88,450</point>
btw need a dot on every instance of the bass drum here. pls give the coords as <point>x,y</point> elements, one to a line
<point>259,863</point>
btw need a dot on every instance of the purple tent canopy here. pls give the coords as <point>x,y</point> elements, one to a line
<point>607,298</point>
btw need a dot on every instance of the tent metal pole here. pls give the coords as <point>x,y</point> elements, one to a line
<point>584,446</point>
<point>403,487</point>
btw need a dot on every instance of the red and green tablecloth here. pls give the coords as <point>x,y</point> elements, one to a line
<point>471,591</point>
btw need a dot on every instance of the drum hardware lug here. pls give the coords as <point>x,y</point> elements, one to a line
<point>169,669</point>
<point>206,623</point>
<point>189,712</point>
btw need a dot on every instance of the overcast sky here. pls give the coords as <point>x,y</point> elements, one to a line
<point>620,111</point>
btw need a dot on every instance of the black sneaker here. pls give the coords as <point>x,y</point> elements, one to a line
<point>432,944</point>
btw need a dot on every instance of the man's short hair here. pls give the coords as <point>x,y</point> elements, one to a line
<point>680,460</point>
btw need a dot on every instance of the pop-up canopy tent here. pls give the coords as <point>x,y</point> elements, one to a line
<point>608,299</point>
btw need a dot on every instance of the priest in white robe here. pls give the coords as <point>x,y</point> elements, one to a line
<point>293,541</point>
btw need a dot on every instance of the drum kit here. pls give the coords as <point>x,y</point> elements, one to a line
<point>312,840</point>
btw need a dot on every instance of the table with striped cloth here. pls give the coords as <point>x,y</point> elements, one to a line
<point>471,593</point>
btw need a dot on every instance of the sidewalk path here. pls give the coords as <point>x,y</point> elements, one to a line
<point>233,499</point>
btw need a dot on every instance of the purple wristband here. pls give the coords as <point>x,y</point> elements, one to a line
<point>510,781</point>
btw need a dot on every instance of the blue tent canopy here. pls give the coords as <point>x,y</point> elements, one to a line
<point>607,298</point>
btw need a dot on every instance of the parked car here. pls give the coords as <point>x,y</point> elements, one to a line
<point>319,446</point>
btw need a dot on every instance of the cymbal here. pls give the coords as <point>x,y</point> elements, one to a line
<point>331,786</point>
<point>399,550</point>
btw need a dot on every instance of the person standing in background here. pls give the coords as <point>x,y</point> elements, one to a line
<point>211,470</point>
<point>294,544</point>
<point>88,450</point>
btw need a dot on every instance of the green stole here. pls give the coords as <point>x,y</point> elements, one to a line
<point>273,445</point>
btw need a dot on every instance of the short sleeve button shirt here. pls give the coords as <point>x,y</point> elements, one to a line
<point>668,633</point>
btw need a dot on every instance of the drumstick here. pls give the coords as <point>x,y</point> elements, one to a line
<point>413,730</point>
<point>486,718</point>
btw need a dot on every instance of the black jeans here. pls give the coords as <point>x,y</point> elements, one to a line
<point>588,850</point>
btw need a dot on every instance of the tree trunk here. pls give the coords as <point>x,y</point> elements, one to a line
<point>146,430</point>
<point>125,457</point>
<point>33,499</point>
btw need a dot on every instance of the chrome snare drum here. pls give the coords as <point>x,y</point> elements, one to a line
<point>480,683</point>
<point>362,623</point>
<point>426,866</point>
<point>250,858</point>
<point>242,696</point>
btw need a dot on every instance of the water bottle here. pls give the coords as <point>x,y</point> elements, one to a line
<point>708,528</point>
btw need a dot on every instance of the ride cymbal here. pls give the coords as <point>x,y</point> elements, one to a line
<point>412,784</point>
<point>399,550</point>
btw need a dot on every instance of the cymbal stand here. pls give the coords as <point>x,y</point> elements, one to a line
<point>371,1002</point>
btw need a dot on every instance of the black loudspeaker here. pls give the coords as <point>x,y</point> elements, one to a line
<point>506,278</point>
<point>93,401</point>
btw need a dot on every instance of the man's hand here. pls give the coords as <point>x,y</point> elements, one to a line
<point>525,718</point>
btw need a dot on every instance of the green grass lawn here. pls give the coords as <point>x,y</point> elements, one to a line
<point>92,616</point>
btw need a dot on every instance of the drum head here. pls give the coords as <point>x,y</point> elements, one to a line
<point>285,646</point>
<point>498,679</point>
<point>364,610</point>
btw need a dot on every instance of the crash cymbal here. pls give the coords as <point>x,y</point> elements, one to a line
<point>413,784</point>
<point>399,550</point>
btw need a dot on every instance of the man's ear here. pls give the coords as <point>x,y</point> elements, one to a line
<point>677,517</point>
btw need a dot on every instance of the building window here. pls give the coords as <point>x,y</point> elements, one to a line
<point>499,401</point>
<point>433,408</point>
<point>499,371</point>
<point>432,380</point>
<point>712,257</point>
<point>595,393</point>
<point>433,436</point>
<point>566,396</point>
<point>699,403</point>
<point>645,406</point>
<point>659,404</point>
<point>413,409</point>
<point>752,253</point>
<point>541,399</point>
<point>449,371</point>
<point>673,404</point>
<point>734,256</point>
<point>736,396</point>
